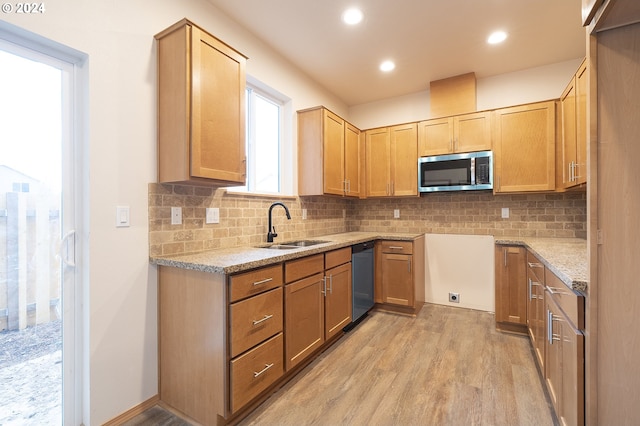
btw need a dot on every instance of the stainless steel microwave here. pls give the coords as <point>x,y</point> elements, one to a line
<point>456,172</point>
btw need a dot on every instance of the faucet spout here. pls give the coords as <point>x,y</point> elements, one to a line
<point>272,230</point>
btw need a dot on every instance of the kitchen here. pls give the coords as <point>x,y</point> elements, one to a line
<point>123,315</point>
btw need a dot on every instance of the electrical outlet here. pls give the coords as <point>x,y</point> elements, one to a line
<point>304,214</point>
<point>212,215</point>
<point>454,297</point>
<point>176,215</point>
<point>396,213</point>
<point>505,212</point>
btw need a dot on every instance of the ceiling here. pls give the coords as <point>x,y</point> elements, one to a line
<point>428,39</point>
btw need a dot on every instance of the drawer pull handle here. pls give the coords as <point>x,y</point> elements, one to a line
<point>534,265</point>
<point>396,248</point>
<point>260,321</point>
<point>258,373</point>
<point>266,280</point>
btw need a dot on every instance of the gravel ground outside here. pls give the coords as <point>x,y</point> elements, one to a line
<point>31,376</point>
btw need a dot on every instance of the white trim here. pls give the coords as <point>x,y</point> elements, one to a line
<point>74,66</point>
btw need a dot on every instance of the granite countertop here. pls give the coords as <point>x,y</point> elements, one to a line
<point>565,257</point>
<point>237,259</point>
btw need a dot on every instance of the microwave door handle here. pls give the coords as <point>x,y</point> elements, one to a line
<point>473,171</point>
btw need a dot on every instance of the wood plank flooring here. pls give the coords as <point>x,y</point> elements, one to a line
<point>448,366</point>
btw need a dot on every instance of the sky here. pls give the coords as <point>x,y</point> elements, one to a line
<point>30,118</point>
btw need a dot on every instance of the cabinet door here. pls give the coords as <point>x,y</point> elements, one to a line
<point>572,398</point>
<point>524,148</point>
<point>352,157</point>
<point>568,132</point>
<point>511,285</point>
<point>218,110</point>
<point>378,162</point>
<point>404,160</point>
<point>435,137</point>
<point>580,172</point>
<point>397,279</point>
<point>333,130</point>
<point>337,303</point>
<point>472,132</point>
<point>553,365</point>
<point>304,318</point>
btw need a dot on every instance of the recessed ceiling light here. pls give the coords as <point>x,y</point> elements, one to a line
<point>352,16</point>
<point>387,66</point>
<point>497,37</point>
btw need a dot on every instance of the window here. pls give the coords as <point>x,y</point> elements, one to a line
<point>267,143</point>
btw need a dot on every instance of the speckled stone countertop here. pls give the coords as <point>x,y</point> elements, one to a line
<point>237,259</point>
<point>565,257</point>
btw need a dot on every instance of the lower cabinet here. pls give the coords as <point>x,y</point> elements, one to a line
<point>564,367</point>
<point>400,275</point>
<point>317,302</point>
<point>511,288</point>
<point>536,318</point>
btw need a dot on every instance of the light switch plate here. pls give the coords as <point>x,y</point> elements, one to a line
<point>396,213</point>
<point>122,217</point>
<point>505,212</point>
<point>304,214</point>
<point>176,215</point>
<point>212,215</point>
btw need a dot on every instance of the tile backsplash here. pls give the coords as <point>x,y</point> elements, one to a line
<point>243,217</point>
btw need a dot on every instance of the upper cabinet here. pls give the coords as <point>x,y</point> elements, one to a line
<point>392,161</point>
<point>201,116</point>
<point>329,154</point>
<point>572,154</point>
<point>524,148</point>
<point>462,133</point>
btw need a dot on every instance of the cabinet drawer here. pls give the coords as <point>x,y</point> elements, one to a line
<point>400,247</point>
<point>255,371</point>
<point>337,257</point>
<point>254,320</point>
<point>569,302</point>
<point>251,283</point>
<point>536,268</point>
<point>300,268</point>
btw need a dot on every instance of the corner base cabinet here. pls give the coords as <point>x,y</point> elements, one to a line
<point>400,275</point>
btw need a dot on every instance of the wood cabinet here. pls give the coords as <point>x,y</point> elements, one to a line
<point>201,115</point>
<point>511,288</point>
<point>317,302</point>
<point>524,148</point>
<point>564,368</point>
<point>391,161</point>
<point>400,275</point>
<point>462,133</point>
<point>221,339</point>
<point>329,154</point>
<point>572,152</point>
<point>536,318</point>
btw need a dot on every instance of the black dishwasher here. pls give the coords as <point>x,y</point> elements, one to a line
<point>361,281</point>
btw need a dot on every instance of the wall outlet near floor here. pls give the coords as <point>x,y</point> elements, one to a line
<point>176,215</point>
<point>212,215</point>
<point>454,297</point>
<point>396,213</point>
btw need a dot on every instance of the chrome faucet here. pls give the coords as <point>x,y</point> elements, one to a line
<point>272,235</point>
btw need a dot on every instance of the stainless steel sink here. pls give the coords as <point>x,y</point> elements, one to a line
<point>293,244</point>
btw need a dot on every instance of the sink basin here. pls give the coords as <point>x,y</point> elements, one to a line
<point>293,244</point>
<point>304,243</point>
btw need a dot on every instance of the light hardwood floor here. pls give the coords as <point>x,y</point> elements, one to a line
<point>448,366</point>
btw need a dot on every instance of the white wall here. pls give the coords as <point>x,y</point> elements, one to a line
<point>520,87</point>
<point>462,264</point>
<point>118,37</point>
